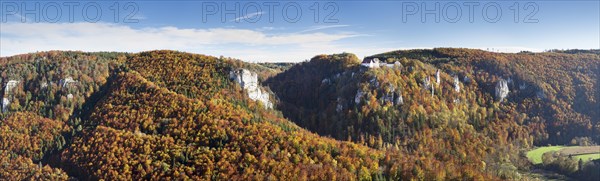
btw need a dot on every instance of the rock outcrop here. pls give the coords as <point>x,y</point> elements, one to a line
<point>432,90</point>
<point>437,77</point>
<point>5,104</point>
<point>7,96</point>
<point>44,85</point>
<point>501,90</point>
<point>249,81</point>
<point>399,100</point>
<point>10,85</point>
<point>66,82</point>
<point>456,84</point>
<point>426,82</point>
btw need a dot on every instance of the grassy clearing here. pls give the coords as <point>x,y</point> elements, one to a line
<point>580,150</point>
<point>588,157</point>
<point>535,156</point>
<point>586,153</point>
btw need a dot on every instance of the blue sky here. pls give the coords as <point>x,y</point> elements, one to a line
<point>274,30</point>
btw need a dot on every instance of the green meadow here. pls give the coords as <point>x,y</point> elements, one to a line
<point>587,152</point>
<point>535,156</point>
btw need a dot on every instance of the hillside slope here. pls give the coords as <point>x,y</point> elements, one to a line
<point>142,125</point>
<point>559,91</point>
<point>554,95</point>
<point>457,99</point>
<point>174,115</point>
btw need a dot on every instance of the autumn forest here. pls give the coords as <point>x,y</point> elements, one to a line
<point>423,114</point>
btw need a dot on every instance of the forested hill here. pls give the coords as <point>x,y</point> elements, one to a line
<point>559,91</point>
<point>159,114</point>
<point>175,115</point>
<point>554,96</point>
<point>472,105</point>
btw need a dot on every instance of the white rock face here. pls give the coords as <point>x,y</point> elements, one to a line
<point>501,90</point>
<point>249,81</point>
<point>8,88</point>
<point>437,77</point>
<point>67,82</point>
<point>426,82</point>
<point>399,99</point>
<point>10,85</point>
<point>456,84</point>
<point>244,77</point>
<point>44,85</point>
<point>456,100</point>
<point>432,90</point>
<point>5,104</point>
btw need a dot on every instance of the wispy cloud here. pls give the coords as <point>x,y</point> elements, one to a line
<point>246,44</point>
<point>139,17</point>
<point>315,28</point>
<point>248,16</point>
<point>16,18</point>
<point>270,28</point>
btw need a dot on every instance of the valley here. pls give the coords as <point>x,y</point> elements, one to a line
<point>423,114</point>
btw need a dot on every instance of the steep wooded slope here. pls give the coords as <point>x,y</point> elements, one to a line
<point>407,105</point>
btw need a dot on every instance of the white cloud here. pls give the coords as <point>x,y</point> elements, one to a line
<point>266,28</point>
<point>248,16</point>
<point>17,38</point>
<point>270,28</point>
<point>315,28</point>
<point>138,17</point>
<point>245,44</point>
